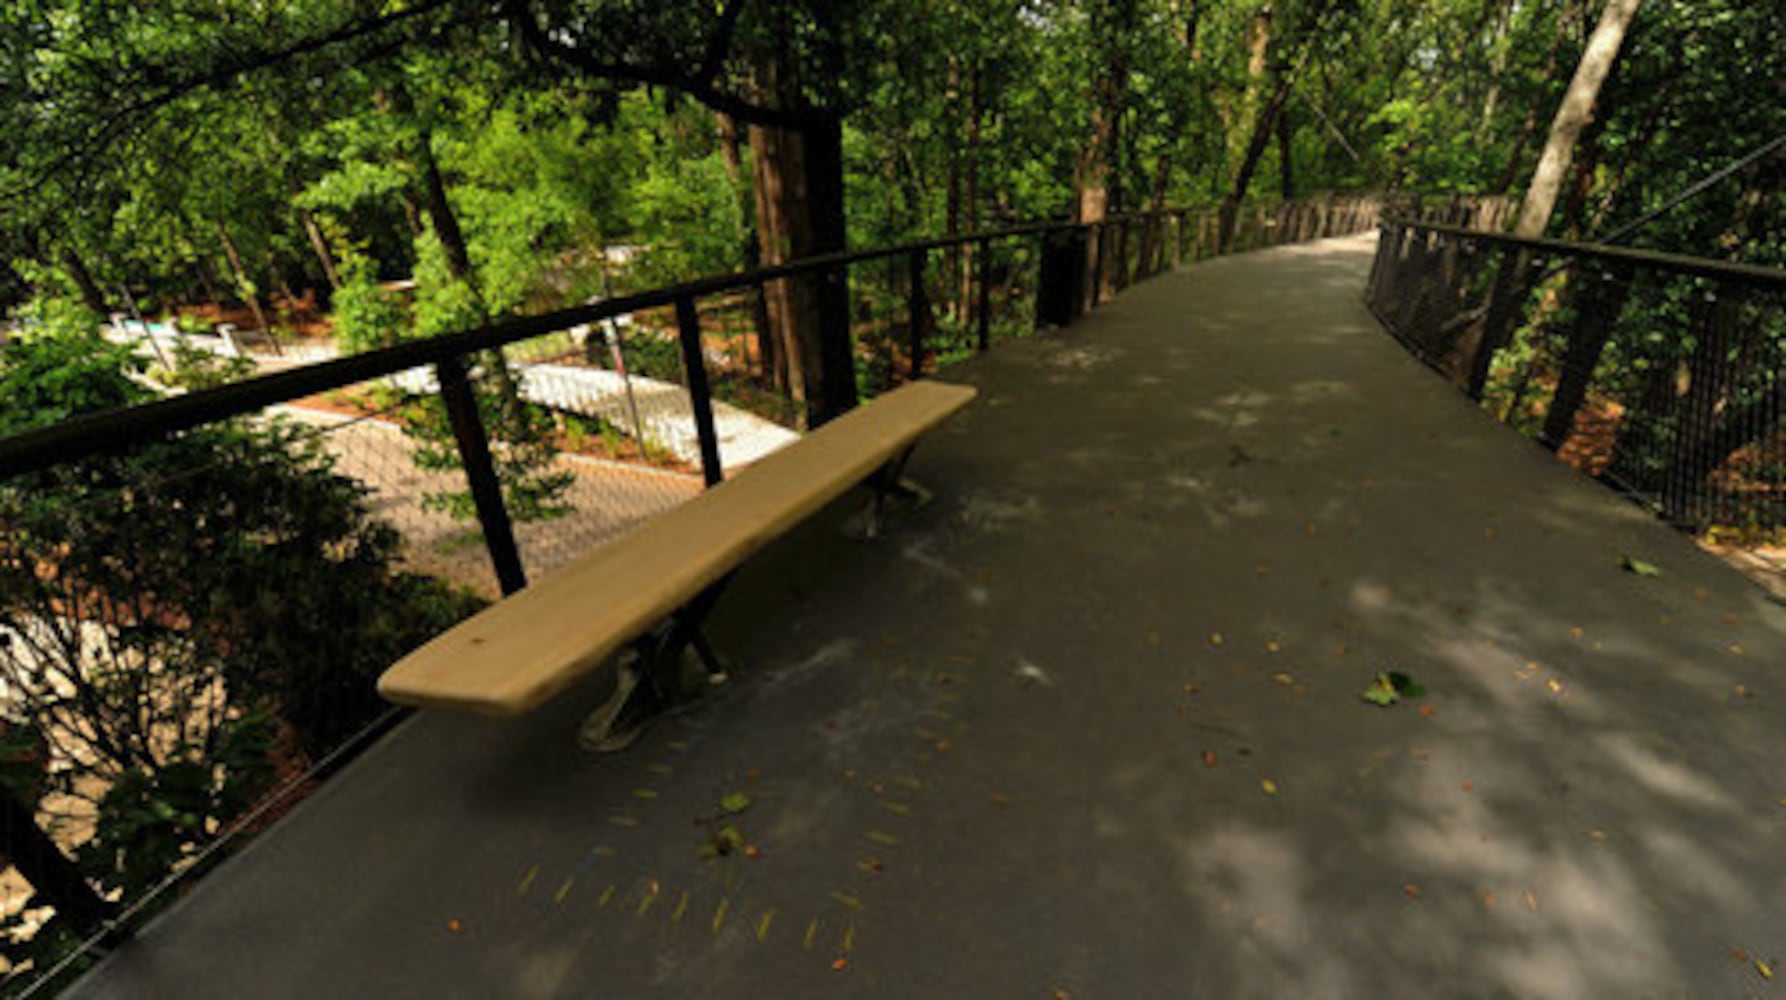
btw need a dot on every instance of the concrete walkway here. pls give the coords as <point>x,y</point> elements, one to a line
<point>1089,726</point>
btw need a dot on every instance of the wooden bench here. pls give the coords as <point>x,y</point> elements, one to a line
<point>516,654</point>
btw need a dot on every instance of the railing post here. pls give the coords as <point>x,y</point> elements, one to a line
<point>700,395</point>
<point>1504,298</point>
<point>1100,234</point>
<point>55,879</point>
<point>918,307</point>
<point>985,317</point>
<point>480,473</point>
<point>1061,273</point>
<point>1600,295</point>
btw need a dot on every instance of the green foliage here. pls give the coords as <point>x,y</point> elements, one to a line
<point>60,367</point>
<point>366,316</point>
<point>196,368</point>
<point>688,219</point>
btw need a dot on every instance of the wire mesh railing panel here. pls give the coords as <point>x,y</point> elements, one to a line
<point>189,631</point>
<point>620,446</point>
<point>1659,377</point>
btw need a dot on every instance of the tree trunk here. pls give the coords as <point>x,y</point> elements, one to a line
<point>244,285</point>
<point>440,213</point>
<point>770,153</point>
<point>1263,129</point>
<point>799,182</point>
<point>1573,115</point>
<point>91,296</point>
<point>970,196</point>
<point>1286,169</point>
<point>952,168</point>
<point>1111,20</point>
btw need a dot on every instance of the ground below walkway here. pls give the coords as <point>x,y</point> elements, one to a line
<point>1089,725</point>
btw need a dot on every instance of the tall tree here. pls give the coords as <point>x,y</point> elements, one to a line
<point>1572,116</point>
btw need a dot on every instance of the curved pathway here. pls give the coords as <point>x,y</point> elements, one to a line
<point>1089,725</point>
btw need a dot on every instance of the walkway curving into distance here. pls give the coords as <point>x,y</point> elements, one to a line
<point>1089,725</point>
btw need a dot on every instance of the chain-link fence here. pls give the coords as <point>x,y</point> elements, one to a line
<point>1659,375</point>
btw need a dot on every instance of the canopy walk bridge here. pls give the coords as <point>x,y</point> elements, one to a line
<point>1089,722</point>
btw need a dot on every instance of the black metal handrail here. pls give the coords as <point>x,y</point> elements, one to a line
<point>117,429</point>
<point>1755,275</point>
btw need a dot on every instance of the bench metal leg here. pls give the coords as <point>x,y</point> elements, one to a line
<point>886,481</point>
<point>658,655</point>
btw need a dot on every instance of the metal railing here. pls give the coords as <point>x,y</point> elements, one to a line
<point>1659,374</point>
<point>219,576</point>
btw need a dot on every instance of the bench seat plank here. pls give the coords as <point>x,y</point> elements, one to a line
<point>516,654</point>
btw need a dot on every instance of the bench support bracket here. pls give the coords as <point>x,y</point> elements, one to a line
<point>889,480</point>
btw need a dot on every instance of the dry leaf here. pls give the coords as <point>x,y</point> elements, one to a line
<point>1530,898</point>
<point>1428,710</point>
<point>1272,646</point>
<point>1766,970</point>
<point>839,964</point>
<point>1215,638</point>
<point>1488,900</point>
<point>1209,760</point>
<point>1283,678</point>
<point>1411,891</point>
<point>1269,785</point>
<point>455,926</point>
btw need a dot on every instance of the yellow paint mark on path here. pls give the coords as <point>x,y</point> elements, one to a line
<point>719,915</point>
<point>681,908</point>
<point>563,891</point>
<point>812,931</point>
<point>527,880</point>
<point>763,926</point>
<point>847,899</point>
<point>881,838</point>
<point>606,897</point>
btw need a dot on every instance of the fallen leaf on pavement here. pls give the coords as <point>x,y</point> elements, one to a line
<point>1766,970</point>
<point>735,802</point>
<point>1639,567</point>
<point>1283,678</point>
<point>1488,900</point>
<point>1530,898</point>
<point>1428,710</point>
<point>1411,891</point>
<point>1269,785</point>
<point>1209,760</point>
